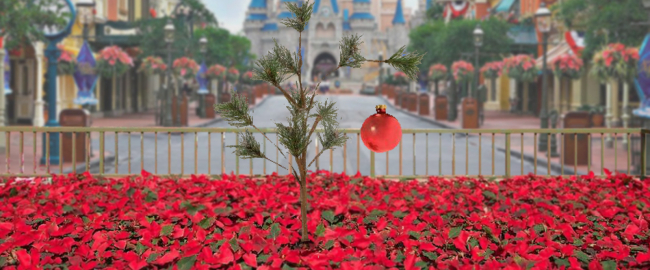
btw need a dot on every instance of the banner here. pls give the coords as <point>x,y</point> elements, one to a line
<point>85,76</point>
<point>7,73</point>
<point>203,81</point>
<point>642,82</point>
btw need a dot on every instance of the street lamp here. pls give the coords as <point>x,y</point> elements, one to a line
<point>478,42</point>
<point>86,10</point>
<point>169,39</point>
<point>203,47</point>
<point>381,72</point>
<point>543,21</point>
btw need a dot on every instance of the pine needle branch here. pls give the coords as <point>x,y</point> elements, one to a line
<point>407,63</point>
<point>289,63</point>
<point>350,55</point>
<point>270,69</point>
<point>301,16</point>
<point>250,148</point>
<point>235,111</point>
<point>327,112</point>
<point>267,138</point>
<point>332,137</point>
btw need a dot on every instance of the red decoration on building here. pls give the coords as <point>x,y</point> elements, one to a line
<point>381,132</point>
<point>457,9</point>
<point>153,13</point>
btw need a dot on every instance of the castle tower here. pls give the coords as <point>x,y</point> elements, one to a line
<point>256,18</point>
<point>398,34</point>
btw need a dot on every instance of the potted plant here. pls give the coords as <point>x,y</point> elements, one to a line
<point>463,72</point>
<point>492,71</point>
<point>186,68</point>
<point>153,65</point>
<point>247,78</point>
<point>521,68</point>
<point>66,64</point>
<point>113,62</point>
<point>215,72</point>
<point>233,75</point>
<point>567,66</point>
<point>437,72</point>
<point>597,116</point>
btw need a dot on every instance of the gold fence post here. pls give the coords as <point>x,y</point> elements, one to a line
<point>372,163</point>
<point>643,153</point>
<point>507,155</point>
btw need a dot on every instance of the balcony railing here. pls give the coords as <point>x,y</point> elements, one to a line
<point>446,153</point>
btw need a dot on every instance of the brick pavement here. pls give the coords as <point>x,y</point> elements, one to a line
<point>10,159</point>
<point>613,158</point>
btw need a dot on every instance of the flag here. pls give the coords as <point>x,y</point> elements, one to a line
<point>7,73</point>
<point>576,41</point>
<point>85,76</point>
<point>203,81</point>
<point>455,9</point>
<point>642,81</point>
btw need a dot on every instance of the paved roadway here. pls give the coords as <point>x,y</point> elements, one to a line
<point>353,110</point>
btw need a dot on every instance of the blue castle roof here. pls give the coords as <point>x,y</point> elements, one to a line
<point>362,16</point>
<point>361,1</point>
<point>285,15</point>
<point>256,17</point>
<point>335,6</point>
<point>258,4</point>
<point>270,27</point>
<point>399,14</point>
<point>346,20</point>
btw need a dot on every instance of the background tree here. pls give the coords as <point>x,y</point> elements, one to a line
<point>446,43</point>
<point>19,17</point>
<point>226,49</point>
<point>603,22</point>
<point>278,66</point>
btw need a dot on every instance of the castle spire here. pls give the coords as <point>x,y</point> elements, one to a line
<point>399,14</point>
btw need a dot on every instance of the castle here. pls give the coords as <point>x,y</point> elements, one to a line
<point>330,22</point>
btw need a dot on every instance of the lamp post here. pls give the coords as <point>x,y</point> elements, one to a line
<point>381,72</point>
<point>203,45</point>
<point>478,42</point>
<point>86,9</point>
<point>169,39</point>
<point>543,21</point>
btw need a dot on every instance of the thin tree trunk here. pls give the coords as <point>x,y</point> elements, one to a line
<point>303,207</point>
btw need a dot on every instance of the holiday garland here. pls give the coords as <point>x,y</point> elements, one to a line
<point>437,72</point>
<point>233,75</point>
<point>113,61</point>
<point>492,70</point>
<point>66,64</point>
<point>462,71</point>
<point>186,68</point>
<point>215,72</point>
<point>615,61</point>
<point>153,65</point>
<point>520,67</point>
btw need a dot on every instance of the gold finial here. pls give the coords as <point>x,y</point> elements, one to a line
<point>380,107</point>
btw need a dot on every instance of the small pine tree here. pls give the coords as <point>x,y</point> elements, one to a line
<point>278,66</point>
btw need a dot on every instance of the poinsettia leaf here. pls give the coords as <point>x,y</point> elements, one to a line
<point>431,255</point>
<point>275,231</point>
<point>206,223</point>
<point>562,262</point>
<point>166,230</point>
<point>329,216</point>
<point>609,265</point>
<point>186,263</point>
<point>152,257</point>
<point>455,232</point>
<point>328,245</point>
<point>489,195</point>
<point>400,257</point>
<point>399,214</point>
<point>421,264</point>
<point>67,209</point>
<point>581,256</point>
<point>234,244</point>
<point>140,248</point>
<point>320,230</point>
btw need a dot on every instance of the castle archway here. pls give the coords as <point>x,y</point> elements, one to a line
<point>324,67</point>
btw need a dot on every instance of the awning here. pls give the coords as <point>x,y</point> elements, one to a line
<point>551,54</point>
<point>504,6</point>
<point>75,51</point>
<point>523,35</point>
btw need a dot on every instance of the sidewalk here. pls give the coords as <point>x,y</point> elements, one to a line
<point>11,163</point>
<point>614,159</point>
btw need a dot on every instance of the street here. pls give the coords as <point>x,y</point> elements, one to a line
<point>353,110</point>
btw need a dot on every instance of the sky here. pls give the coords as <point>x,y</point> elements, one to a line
<point>231,13</point>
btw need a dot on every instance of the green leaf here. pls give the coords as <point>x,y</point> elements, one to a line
<point>609,265</point>
<point>415,235</point>
<point>578,242</point>
<point>431,255</point>
<point>287,267</point>
<point>455,232</point>
<point>262,258</point>
<point>400,257</point>
<point>67,209</point>
<point>320,230</point>
<point>206,223</point>
<point>3,261</point>
<point>377,213</point>
<point>167,230</point>
<point>13,192</point>
<point>421,264</point>
<point>328,215</point>
<point>151,196</point>
<point>152,257</point>
<point>490,195</point>
<point>275,231</point>
<point>118,187</point>
<point>186,263</point>
<point>386,198</point>
<point>234,244</point>
<point>581,256</point>
<point>329,244</point>
<point>539,228</point>
<point>399,214</point>
<point>140,248</point>
<point>370,219</point>
<point>562,262</point>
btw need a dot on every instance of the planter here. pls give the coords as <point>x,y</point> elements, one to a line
<point>597,120</point>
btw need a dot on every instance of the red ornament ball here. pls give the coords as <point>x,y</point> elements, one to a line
<point>381,132</point>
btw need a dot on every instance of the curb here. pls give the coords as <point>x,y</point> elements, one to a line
<point>540,163</point>
<point>94,164</point>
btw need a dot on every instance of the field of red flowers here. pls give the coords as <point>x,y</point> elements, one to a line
<point>144,222</point>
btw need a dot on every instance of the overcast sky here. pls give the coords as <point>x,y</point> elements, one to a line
<point>231,13</point>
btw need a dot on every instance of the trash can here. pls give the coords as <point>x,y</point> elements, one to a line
<point>441,108</point>
<point>470,113</point>
<point>570,144</point>
<point>74,118</point>
<point>210,100</point>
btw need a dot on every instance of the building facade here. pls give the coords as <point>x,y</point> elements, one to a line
<point>330,22</point>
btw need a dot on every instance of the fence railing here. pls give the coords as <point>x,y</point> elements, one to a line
<point>446,152</point>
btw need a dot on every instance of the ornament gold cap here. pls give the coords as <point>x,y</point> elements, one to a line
<point>380,107</point>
